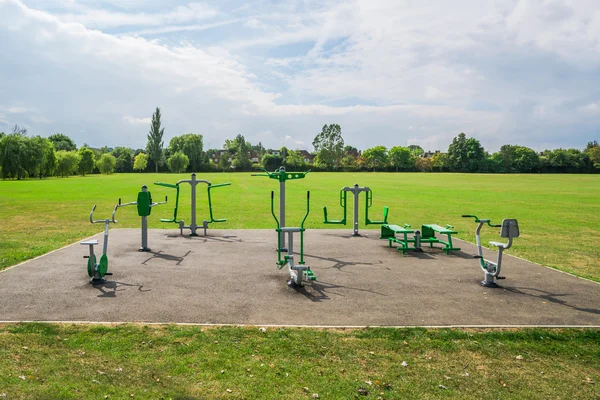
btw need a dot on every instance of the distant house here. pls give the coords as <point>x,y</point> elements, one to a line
<point>221,153</point>
<point>429,154</point>
<point>308,158</point>
<point>254,157</point>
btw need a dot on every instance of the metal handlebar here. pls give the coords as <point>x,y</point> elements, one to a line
<point>112,219</point>
<point>482,221</point>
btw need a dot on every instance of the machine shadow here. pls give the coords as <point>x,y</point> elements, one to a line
<point>318,291</point>
<point>340,264</point>
<point>168,257</point>
<point>550,297</point>
<point>109,289</point>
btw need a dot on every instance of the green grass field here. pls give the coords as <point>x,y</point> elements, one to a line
<point>559,215</point>
<point>41,361</point>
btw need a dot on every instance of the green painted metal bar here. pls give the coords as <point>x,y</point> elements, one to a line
<point>368,204</point>
<point>302,228</point>
<point>343,204</point>
<point>210,211</point>
<point>280,262</point>
<point>175,186</point>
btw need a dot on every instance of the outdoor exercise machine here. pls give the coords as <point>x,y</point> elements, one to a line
<point>282,176</point>
<point>427,234</point>
<point>301,272</point>
<point>193,226</point>
<point>144,207</point>
<point>491,270</point>
<point>96,271</point>
<point>368,203</point>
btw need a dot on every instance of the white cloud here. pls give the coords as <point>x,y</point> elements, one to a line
<point>591,109</point>
<point>505,70</point>
<point>99,18</point>
<point>137,121</point>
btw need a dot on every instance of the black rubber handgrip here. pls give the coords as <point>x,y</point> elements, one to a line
<point>467,216</point>
<point>272,195</point>
<point>119,201</point>
<point>308,195</point>
<point>496,226</point>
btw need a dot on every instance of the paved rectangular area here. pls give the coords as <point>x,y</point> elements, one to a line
<point>230,277</point>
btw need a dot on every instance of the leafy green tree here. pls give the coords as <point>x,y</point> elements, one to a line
<point>294,160</point>
<point>416,149</point>
<point>154,147</point>
<point>424,164</point>
<point>594,155</point>
<point>13,156</point>
<point>36,155</point>
<point>440,160</point>
<point>49,166</point>
<point>124,156</point>
<point>329,145</point>
<point>271,162</point>
<point>62,142</point>
<point>106,163</point>
<point>241,160</point>
<point>140,162</point>
<point>465,155</point>
<point>401,158</point>
<point>178,162</point>
<point>67,162</point>
<point>259,150</point>
<point>376,157</point>
<point>526,159</point>
<point>191,145</point>
<point>86,161</point>
<point>223,163</point>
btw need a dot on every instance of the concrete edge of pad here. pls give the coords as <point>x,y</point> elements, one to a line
<point>305,326</point>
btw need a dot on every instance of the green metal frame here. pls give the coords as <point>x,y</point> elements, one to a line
<point>343,202</point>
<point>389,232</point>
<point>368,204</point>
<point>282,261</point>
<point>282,175</point>
<point>428,232</point>
<point>210,210</point>
<point>172,186</point>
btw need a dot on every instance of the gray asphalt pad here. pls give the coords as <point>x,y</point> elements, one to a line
<point>230,277</point>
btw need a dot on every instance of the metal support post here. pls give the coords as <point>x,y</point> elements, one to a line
<point>356,192</point>
<point>282,213</point>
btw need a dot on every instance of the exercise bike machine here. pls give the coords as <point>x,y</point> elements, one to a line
<point>97,271</point>
<point>491,270</point>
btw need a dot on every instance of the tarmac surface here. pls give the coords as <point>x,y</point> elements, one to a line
<point>230,277</point>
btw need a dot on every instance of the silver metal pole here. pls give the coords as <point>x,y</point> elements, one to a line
<point>356,192</point>
<point>105,246</point>
<point>193,225</point>
<point>282,212</point>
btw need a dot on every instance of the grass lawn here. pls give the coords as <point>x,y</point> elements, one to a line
<point>40,361</point>
<point>559,215</point>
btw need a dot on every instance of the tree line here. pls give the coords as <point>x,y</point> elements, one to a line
<point>23,156</point>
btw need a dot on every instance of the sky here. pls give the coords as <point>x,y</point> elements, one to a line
<point>390,72</point>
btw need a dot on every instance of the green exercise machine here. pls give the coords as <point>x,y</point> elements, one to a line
<point>356,190</point>
<point>282,176</point>
<point>144,208</point>
<point>98,270</point>
<point>193,226</point>
<point>427,234</point>
<point>509,229</point>
<point>298,273</point>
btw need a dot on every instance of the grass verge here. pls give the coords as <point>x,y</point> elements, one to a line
<point>49,361</point>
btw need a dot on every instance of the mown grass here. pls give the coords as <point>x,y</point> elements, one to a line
<point>42,361</point>
<point>559,215</point>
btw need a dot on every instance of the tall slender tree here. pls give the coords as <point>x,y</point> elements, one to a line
<point>154,148</point>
